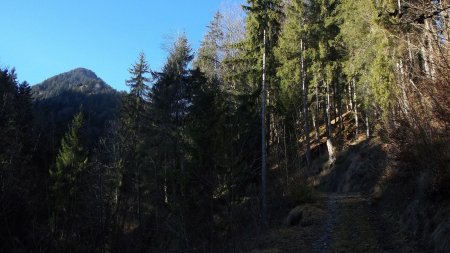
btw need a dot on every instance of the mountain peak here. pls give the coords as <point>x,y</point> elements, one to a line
<point>83,72</point>
<point>79,80</point>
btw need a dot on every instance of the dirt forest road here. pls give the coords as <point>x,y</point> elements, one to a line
<point>341,223</point>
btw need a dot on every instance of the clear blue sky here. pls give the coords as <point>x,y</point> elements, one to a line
<point>42,38</point>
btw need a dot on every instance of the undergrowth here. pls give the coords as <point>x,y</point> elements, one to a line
<point>300,192</point>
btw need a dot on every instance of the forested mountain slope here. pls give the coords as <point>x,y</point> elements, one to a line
<point>77,80</point>
<point>57,99</point>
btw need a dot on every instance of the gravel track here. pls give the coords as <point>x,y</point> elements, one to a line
<point>322,245</point>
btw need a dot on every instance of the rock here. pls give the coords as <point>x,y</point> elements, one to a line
<point>294,216</point>
<point>303,215</point>
<point>331,151</point>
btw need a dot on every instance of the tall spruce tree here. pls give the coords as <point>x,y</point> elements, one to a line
<point>67,185</point>
<point>367,64</point>
<point>263,28</point>
<point>293,44</point>
<point>170,103</point>
<point>209,57</point>
<point>18,178</point>
<point>132,136</point>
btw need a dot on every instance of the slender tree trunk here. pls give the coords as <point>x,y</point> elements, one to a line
<point>297,143</point>
<point>139,195</point>
<point>158,200</point>
<point>285,154</point>
<point>432,39</point>
<point>402,82</point>
<point>317,120</point>
<point>355,106</point>
<point>316,130</point>
<point>350,95</point>
<point>328,108</point>
<point>334,105</point>
<point>263,138</point>
<point>211,209</point>
<point>305,107</point>
<point>166,195</point>
<point>367,124</point>
<point>426,65</point>
<point>345,92</point>
<point>340,112</point>
<point>316,127</point>
<point>410,54</point>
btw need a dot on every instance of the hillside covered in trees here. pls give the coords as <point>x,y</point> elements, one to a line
<point>281,119</point>
<point>57,99</point>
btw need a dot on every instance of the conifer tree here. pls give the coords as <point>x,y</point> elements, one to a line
<point>132,137</point>
<point>17,175</point>
<point>367,65</point>
<point>233,27</point>
<point>170,103</point>
<point>67,185</point>
<point>263,27</point>
<point>293,66</point>
<point>209,57</point>
<point>8,90</point>
<point>263,16</point>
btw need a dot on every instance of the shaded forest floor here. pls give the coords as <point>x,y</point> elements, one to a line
<point>343,223</point>
<point>347,215</point>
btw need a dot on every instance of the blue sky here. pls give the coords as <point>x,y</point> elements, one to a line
<point>42,38</point>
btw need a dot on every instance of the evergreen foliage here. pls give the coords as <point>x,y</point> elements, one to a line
<point>71,160</point>
<point>210,54</point>
<point>68,188</point>
<point>19,178</point>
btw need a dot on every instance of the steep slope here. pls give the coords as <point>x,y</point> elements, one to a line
<point>79,80</point>
<point>370,200</point>
<point>58,98</point>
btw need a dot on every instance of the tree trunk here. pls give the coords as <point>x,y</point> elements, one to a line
<point>340,109</point>
<point>285,154</point>
<point>426,66</point>
<point>328,108</point>
<point>316,121</point>
<point>139,195</point>
<point>367,124</point>
<point>316,128</point>
<point>334,105</point>
<point>263,137</point>
<point>431,38</point>
<point>350,97</point>
<point>166,194</point>
<point>305,107</point>
<point>410,54</point>
<point>355,106</point>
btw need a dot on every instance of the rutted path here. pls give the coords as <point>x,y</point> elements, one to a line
<point>346,223</point>
<point>356,229</point>
<point>353,225</point>
<point>324,242</point>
